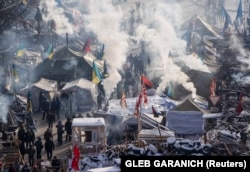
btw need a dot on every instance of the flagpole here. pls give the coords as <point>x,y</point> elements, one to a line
<point>139,125</point>
<point>159,131</point>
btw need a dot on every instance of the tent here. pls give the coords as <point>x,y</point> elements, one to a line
<point>47,87</point>
<point>186,118</point>
<point>82,94</point>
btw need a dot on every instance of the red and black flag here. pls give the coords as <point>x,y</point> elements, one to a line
<point>146,82</point>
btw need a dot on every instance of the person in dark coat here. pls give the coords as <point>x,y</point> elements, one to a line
<point>60,132</point>
<point>49,147</point>
<point>39,147</point>
<point>41,101</point>
<point>31,155</point>
<point>99,101</point>
<point>11,168</point>
<point>46,107</point>
<point>25,168</point>
<point>22,148</point>
<point>21,134</point>
<point>48,134</point>
<point>50,119</point>
<point>58,108</point>
<point>55,162</point>
<point>29,137</point>
<point>68,129</point>
<point>53,106</point>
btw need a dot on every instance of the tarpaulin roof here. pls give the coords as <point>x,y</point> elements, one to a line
<point>186,122</point>
<point>217,32</point>
<point>46,84</point>
<point>81,83</point>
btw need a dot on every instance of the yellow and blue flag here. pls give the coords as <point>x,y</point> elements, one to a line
<point>20,51</point>
<point>96,74</point>
<point>50,52</point>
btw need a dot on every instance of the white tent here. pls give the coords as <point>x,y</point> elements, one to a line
<point>46,86</point>
<point>82,93</point>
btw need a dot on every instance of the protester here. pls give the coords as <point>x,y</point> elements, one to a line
<point>60,132</point>
<point>39,147</point>
<point>68,129</point>
<point>31,155</point>
<point>49,147</point>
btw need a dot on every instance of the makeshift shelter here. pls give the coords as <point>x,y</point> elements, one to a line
<point>89,134</point>
<point>186,119</point>
<point>46,86</point>
<point>82,94</point>
<point>68,63</point>
<point>148,121</point>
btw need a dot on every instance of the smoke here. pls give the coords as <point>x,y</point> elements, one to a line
<point>104,20</point>
<point>162,38</point>
<point>72,63</point>
<point>237,46</point>
<point>241,78</point>
<point>54,12</point>
<point>5,101</point>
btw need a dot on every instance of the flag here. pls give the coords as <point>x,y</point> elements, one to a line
<point>86,46</point>
<point>213,87</point>
<point>144,94</point>
<point>156,114</point>
<point>101,53</point>
<point>20,51</point>
<point>96,74</point>
<point>146,81</point>
<point>123,101</point>
<point>29,104</point>
<point>228,20</point>
<point>239,11</point>
<point>14,73</point>
<point>50,52</point>
<point>105,70</point>
<point>239,108</point>
<point>76,157</point>
<point>137,106</point>
<point>170,92</point>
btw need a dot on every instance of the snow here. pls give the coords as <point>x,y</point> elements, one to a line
<point>105,169</point>
<point>79,122</point>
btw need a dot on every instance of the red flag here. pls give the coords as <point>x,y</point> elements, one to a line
<point>144,94</point>
<point>123,102</point>
<point>156,115</point>
<point>239,108</point>
<point>86,47</point>
<point>146,81</point>
<point>76,158</point>
<point>137,105</point>
<point>213,87</point>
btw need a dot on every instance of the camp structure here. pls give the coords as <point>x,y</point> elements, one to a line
<point>89,134</point>
<point>67,63</point>
<point>45,86</point>
<point>186,119</point>
<point>82,94</point>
